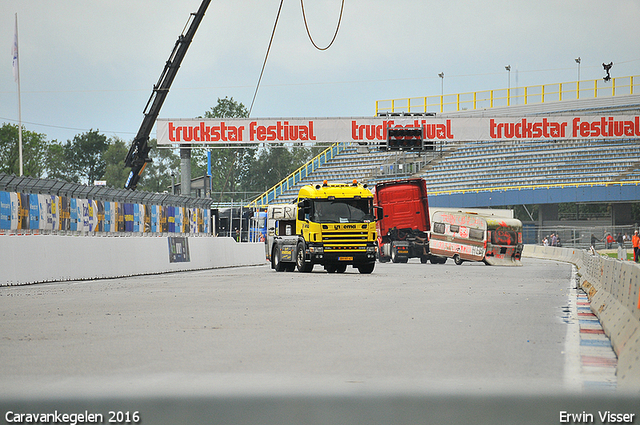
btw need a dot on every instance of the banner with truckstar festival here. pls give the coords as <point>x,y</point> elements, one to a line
<point>239,131</point>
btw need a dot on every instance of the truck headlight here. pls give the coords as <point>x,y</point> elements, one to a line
<point>371,250</point>
<point>316,250</point>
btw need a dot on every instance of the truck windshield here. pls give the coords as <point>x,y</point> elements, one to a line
<point>342,211</point>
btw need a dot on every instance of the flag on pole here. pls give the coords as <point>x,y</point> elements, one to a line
<point>14,53</point>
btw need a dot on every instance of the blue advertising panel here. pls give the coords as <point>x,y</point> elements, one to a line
<point>73,214</point>
<point>5,210</point>
<point>107,216</point>
<point>178,219</point>
<point>136,217</point>
<point>34,212</point>
<point>154,218</point>
<point>171,219</point>
<point>128,217</point>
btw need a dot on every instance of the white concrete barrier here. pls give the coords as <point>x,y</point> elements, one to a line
<point>613,287</point>
<point>46,258</point>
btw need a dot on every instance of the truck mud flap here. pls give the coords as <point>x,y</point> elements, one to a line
<point>286,253</point>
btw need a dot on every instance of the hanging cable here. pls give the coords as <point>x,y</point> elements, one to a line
<point>265,57</point>
<point>304,16</point>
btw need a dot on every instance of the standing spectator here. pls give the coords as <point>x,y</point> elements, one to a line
<point>594,240</point>
<point>545,241</point>
<point>554,240</point>
<point>620,240</point>
<point>635,241</point>
<point>610,240</point>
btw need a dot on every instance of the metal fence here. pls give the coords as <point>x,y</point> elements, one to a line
<point>486,99</point>
<point>581,237</point>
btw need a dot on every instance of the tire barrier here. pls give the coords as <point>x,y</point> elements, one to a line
<point>613,288</point>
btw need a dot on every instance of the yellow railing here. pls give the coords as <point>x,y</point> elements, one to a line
<point>536,186</point>
<point>586,89</point>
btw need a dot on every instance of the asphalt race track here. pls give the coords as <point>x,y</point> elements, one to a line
<point>405,325</point>
<point>410,343</point>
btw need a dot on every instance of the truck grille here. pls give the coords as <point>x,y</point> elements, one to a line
<point>344,241</point>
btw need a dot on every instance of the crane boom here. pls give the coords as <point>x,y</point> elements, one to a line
<point>138,155</point>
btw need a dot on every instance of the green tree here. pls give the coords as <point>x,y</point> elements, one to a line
<point>227,108</point>
<point>247,169</point>
<point>34,151</point>
<point>55,162</point>
<point>115,172</point>
<point>229,167</point>
<point>85,156</point>
<point>157,174</point>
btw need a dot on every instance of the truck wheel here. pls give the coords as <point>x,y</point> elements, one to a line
<point>276,260</point>
<point>366,268</point>
<point>457,260</point>
<point>300,263</point>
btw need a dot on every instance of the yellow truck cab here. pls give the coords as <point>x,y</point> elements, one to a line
<point>334,226</point>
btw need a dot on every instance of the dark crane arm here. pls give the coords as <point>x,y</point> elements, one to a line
<point>138,155</point>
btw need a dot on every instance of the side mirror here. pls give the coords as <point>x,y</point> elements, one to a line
<point>379,213</point>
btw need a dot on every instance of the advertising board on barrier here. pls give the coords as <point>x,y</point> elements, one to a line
<point>26,213</point>
<point>179,249</point>
<point>373,130</point>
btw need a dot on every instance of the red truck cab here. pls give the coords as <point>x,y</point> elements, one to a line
<point>403,229</point>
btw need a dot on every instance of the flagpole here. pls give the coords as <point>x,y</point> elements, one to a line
<point>17,78</point>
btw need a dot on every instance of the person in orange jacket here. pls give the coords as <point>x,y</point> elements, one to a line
<point>635,241</point>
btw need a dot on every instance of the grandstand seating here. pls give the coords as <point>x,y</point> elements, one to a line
<point>490,164</point>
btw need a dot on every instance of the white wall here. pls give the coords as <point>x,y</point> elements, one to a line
<point>28,259</point>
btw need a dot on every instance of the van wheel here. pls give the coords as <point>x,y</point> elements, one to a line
<point>458,260</point>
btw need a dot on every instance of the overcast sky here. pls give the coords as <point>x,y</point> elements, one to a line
<point>91,64</point>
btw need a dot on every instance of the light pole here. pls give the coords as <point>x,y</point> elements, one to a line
<point>578,60</point>
<point>508,68</point>
<point>441,75</point>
